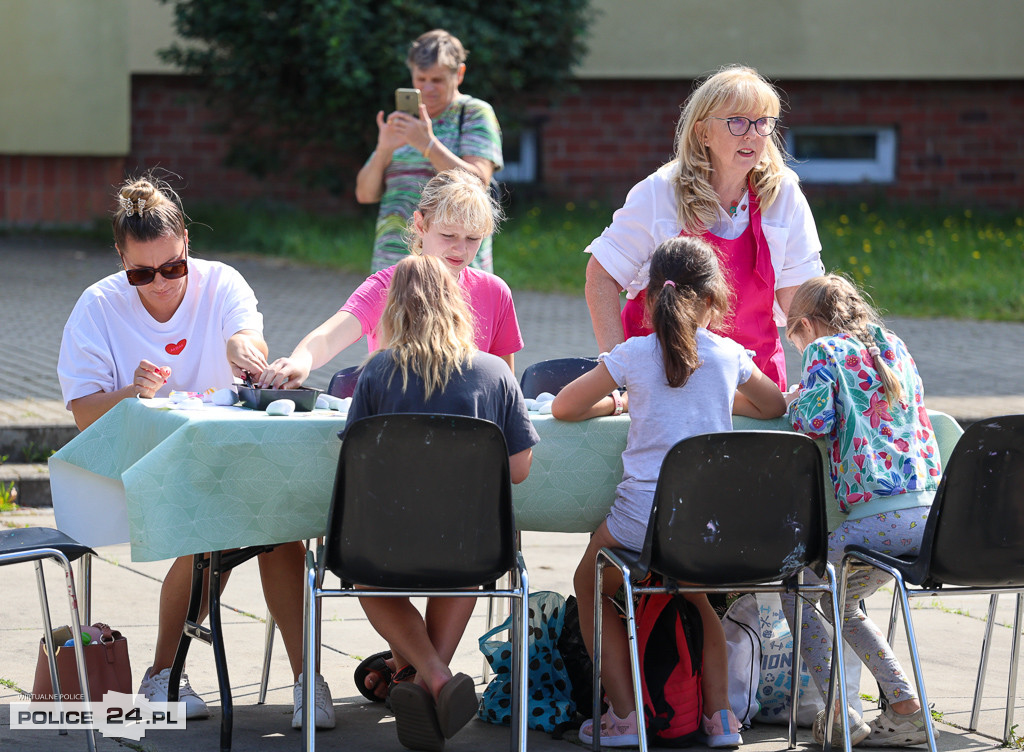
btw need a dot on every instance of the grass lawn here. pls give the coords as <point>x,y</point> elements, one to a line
<point>914,261</point>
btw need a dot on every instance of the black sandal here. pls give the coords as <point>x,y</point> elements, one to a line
<point>406,674</point>
<point>375,664</point>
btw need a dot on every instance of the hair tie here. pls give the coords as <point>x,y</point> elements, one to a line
<point>669,283</point>
<point>874,351</point>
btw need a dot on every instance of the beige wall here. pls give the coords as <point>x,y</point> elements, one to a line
<point>66,65</point>
<point>63,79</point>
<point>801,39</point>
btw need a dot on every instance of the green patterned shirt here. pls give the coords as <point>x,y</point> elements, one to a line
<point>409,171</point>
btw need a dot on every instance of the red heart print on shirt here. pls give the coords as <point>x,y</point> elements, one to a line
<point>175,348</point>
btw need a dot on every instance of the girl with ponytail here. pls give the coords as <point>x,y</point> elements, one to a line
<point>682,380</point>
<point>861,392</point>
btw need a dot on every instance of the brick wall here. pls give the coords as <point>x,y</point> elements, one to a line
<point>958,143</point>
<point>58,190</point>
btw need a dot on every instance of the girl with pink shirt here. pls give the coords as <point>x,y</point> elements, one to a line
<point>454,215</point>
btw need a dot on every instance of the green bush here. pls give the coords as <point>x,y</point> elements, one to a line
<point>287,74</point>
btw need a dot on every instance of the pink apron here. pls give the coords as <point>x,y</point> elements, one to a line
<point>747,264</point>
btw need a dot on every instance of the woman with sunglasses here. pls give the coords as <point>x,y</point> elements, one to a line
<point>173,322</point>
<point>729,185</point>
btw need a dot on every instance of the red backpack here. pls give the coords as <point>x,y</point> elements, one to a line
<point>670,641</point>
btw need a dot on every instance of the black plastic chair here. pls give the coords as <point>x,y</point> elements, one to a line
<point>422,507</point>
<point>34,544</point>
<point>343,383</point>
<point>737,511</point>
<point>972,541</point>
<point>551,375</point>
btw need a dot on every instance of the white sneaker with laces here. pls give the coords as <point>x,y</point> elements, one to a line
<point>890,729</point>
<point>155,687</point>
<point>324,704</point>
<point>859,730</point>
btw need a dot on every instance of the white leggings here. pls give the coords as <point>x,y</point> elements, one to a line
<point>894,533</point>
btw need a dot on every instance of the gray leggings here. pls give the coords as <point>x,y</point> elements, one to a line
<point>895,533</point>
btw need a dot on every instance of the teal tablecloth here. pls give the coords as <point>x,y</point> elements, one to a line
<point>178,482</point>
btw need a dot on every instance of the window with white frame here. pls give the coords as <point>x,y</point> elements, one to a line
<point>519,150</point>
<point>847,154</point>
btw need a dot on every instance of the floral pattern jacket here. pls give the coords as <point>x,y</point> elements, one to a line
<point>876,449</point>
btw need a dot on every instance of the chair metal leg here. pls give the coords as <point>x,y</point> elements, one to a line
<point>520,609</point>
<point>310,645</point>
<point>1011,688</point>
<point>76,627</point>
<point>838,672</point>
<point>986,641</point>
<point>85,589</point>
<point>794,682</point>
<point>268,651</point>
<point>915,660</point>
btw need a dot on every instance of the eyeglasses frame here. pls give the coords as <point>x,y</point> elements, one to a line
<point>750,123</point>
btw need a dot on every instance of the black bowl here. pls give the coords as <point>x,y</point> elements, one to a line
<point>258,399</point>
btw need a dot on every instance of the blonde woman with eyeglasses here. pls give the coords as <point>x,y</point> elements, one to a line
<point>729,185</point>
<point>170,321</point>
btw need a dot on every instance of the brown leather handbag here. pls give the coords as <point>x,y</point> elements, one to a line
<point>106,665</point>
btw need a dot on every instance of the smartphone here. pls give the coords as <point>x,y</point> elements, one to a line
<point>408,100</point>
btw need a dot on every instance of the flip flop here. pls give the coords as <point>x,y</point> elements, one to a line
<point>416,718</point>
<point>457,703</point>
<point>373,665</point>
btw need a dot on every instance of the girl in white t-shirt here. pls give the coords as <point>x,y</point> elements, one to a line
<point>682,380</point>
<point>173,322</point>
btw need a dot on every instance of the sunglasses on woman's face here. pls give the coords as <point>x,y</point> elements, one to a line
<point>144,275</point>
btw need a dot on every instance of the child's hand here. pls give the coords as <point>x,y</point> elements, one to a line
<point>791,394</point>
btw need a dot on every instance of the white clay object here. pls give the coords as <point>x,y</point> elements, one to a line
<point>224,397</point>
<point>281,407</point>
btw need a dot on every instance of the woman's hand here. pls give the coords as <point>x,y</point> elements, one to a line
<point>247,353</point>
<point>284,373</point>
<point>417,132</point>
<point>388,137</point>
<point>149,378</point>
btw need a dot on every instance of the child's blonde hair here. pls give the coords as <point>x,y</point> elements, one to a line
<point>426,323</point>
<point>836,304</point>
<point>686,281</point>
<point>456,198</point>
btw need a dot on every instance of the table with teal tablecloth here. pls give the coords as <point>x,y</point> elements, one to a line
<point>177,482</point>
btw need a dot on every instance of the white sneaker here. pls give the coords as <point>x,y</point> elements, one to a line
<point>324,704</point>
<point>890,729</point>
<point>155,688</point>
<point>859,731</point>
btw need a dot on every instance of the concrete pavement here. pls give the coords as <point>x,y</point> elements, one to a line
<point>970,370</point>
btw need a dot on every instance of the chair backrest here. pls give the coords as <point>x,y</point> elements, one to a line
<point>421,501</point>
<point>552,375</point>
<point>975,530</point>
<point>738,507</point>
<point>343,383</point>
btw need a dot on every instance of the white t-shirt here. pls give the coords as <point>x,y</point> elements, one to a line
<point>109,332</point>
<point>649,217</point>
<point>661,415</point>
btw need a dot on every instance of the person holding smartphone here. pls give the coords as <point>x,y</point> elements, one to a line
<point>451,130</point>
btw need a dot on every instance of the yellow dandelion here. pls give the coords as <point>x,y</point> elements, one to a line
<point>867,269</point>
<point>844,219</point>
<point>976,255</point>
<point>853,260</point>
<point>570,206</point>
<point>863,207</point>
<point>866,246</point>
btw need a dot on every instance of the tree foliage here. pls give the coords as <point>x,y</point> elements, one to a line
<point>288,74</point>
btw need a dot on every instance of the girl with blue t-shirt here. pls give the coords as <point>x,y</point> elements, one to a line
<point>681,381</point>
<point>861,391</point>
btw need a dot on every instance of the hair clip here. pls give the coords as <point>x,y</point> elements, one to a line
<point>130,207</point>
